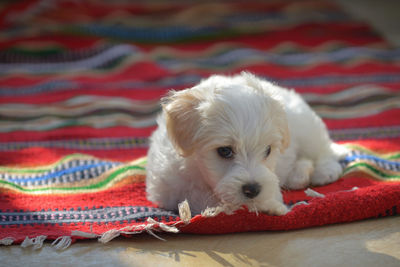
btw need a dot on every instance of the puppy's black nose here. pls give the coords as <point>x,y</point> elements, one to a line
<point>251,190</point>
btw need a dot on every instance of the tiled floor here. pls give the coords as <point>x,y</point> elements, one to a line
<point>366,243</point>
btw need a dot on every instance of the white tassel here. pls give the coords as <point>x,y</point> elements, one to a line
<point>83,234</point>
<point>109,235</point>
<point>62,242</point>
<point>27,242</point>
<point>150,226</point>
<point>353,189</point>
<point>36,242</point>
<point>184,211</point>
<point>311,193</point>
<point>214,211</point>
<point>170,229</point>
<point>6,241</point>
<point>164,227</point>
<point>298,204</point>
<point>156,236</point>
<point>136,229</point>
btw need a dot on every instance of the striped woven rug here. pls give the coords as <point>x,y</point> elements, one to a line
<point>80,83</point>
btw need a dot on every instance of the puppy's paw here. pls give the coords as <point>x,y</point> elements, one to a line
<point>326,171</point>
<point>299,177</point>
<point>274,207</point>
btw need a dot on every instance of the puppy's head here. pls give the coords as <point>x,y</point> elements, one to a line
<point>233,129</point>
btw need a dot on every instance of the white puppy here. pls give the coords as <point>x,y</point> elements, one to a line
<point>236,141</point>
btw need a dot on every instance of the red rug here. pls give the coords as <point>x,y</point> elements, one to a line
<point>80,83</point>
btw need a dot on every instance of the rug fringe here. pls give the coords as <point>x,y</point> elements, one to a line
<point>298,204</point>
<point>109,235</point>
<point>62,242</point>
<point>36,242</point>
<point>83,234</point>
<point>311,193</point>
<point>184,211</point>
<point>353,189</point>
<point>151,226</point>
<point>214,211</point>
<point>6,241</point>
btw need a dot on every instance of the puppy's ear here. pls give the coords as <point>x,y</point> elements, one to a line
<point>182,119</point>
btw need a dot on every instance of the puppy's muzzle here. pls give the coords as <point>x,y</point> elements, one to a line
<point>251,190</point>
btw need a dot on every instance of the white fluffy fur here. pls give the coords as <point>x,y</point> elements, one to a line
<point>247,114</point>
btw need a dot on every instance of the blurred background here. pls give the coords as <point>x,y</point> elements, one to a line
<point>86,76</point>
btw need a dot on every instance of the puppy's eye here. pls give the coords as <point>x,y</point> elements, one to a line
<point>225,152</point>
<point>268,151</point>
